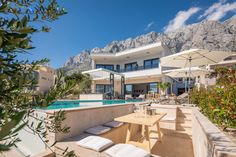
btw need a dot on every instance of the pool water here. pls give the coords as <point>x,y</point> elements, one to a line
<point>85,103</point>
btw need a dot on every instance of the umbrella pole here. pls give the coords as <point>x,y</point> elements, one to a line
<point>189,81</point>
<point>185,82</point>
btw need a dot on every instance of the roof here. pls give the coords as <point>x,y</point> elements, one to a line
<point>127,53</point>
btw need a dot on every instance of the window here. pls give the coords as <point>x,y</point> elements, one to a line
<point>103,88</point>
<point>128,89</point>
<point>117,67</point>
<point>131,66</point>
<point>153,87</point>
<point>105,66</point>
<point>151,63</point>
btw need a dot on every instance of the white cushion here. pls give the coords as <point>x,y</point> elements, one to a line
<point>114,124</point>
<point>95,143</point>
<point>98,130</point>
<point>122,150</point>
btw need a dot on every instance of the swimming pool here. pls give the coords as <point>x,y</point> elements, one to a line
<point>65,104</point>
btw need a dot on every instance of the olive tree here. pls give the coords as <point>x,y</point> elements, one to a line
<point>19,20</point>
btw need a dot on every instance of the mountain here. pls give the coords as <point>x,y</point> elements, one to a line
<point>211,35</point>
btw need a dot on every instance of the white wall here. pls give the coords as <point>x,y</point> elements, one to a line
<point>31,144</point>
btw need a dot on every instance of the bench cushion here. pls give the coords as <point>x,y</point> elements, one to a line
<point>121,150</point>
<point>95,143</point>
<point>113,124</point>
<point>98,130</point>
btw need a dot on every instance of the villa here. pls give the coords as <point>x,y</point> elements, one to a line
<point>45,77</point>
<point>135,72</point>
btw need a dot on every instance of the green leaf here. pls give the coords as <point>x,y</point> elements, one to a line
<point>27,30</point>
<point>3,7</point>
<point>4,147</point>
<point>1,41</point>
<point>6,129</point>
<point>24,21</point>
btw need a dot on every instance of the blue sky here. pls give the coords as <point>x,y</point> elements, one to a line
<point>95,23</point>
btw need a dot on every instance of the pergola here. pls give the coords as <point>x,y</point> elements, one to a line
<point>102,74</point>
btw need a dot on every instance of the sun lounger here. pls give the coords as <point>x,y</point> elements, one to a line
<point>98,130</point>
<point>183,98</point>
<point>113,124</point>
<point>122,150</point>
<point>95,143</point>
<point>141,97</point>
<point>128,97</point>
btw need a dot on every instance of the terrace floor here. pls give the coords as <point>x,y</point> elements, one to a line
<point>172,145</point>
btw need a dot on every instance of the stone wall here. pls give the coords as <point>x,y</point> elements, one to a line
<point>208,140</point>
<point>81,119</point>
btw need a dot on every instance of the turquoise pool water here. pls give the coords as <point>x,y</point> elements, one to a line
<point>85,103</point>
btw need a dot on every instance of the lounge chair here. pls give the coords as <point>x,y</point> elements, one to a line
<point>141,97</point>
<point>128,97</point>
<point>119,150</point>
<point>183,98</point>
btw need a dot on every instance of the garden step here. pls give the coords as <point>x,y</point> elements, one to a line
<point>183,126</point>
<point>183,134</point>
<point>185,113</point>
<point>183,119</point>
<point>184,110</point>
<point>187,116</point>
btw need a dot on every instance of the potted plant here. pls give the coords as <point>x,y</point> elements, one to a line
<point>163,87</point>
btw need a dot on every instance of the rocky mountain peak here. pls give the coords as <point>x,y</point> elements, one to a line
<point>211,35</point>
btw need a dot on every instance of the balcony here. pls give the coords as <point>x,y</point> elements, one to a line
<point>137,68</point>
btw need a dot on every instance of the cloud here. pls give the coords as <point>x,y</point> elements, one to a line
<point>218,10</point>
<point>149,26</point>
<point>180,19</point>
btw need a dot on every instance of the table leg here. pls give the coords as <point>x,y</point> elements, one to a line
<point>143,131</point>
<point>147,139</point>
<point>158,131</point>
<point>128,136</point>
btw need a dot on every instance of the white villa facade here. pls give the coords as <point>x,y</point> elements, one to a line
<point>137,71</point>
<point>139,67</point>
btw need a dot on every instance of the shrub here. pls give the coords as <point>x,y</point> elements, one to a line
<point>218,103</point>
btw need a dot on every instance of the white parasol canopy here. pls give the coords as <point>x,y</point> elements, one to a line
<point>193,57</point>
<point>184,72</point>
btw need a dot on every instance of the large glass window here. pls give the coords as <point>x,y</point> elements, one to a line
<point>153,87</point>
<point>103,88</point>
<point>105,66</point>
<point>151,63</point>
<point>128,89</point>
<point>131,66</point>
<point>118,67</point>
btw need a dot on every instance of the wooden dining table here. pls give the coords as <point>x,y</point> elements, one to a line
<point>145,121</point>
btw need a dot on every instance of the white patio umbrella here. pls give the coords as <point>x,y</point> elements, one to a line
<point>193,57</point>
<point>195,71</point>
<point>183,72</point>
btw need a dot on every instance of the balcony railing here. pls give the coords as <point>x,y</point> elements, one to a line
<point>137,68</point>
